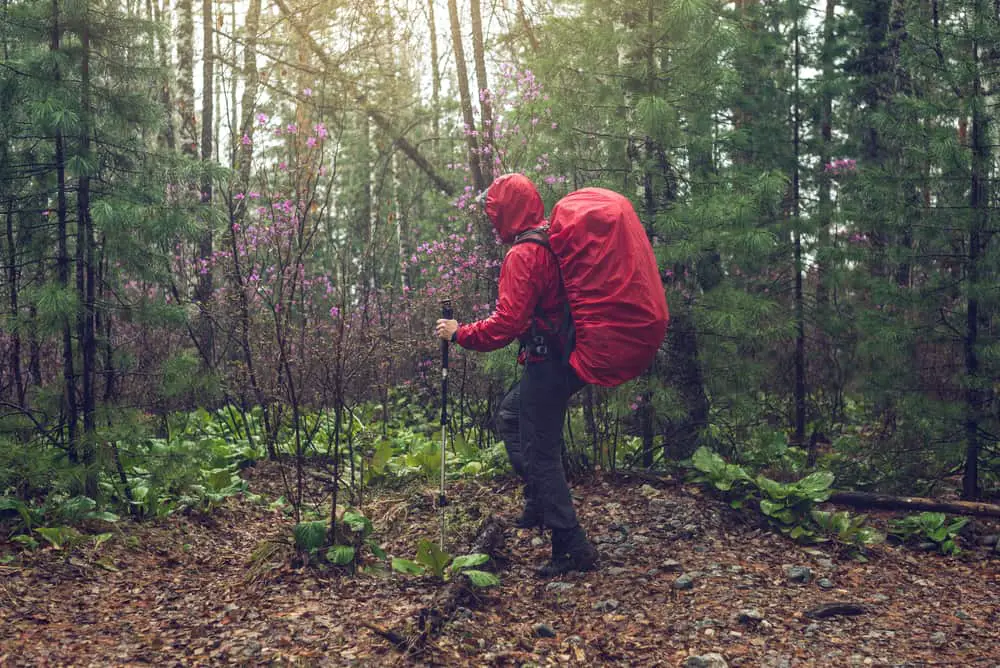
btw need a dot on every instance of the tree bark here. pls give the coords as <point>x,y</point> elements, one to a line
<point>800,327</point>
<point>435,70</point>
<point>85,275</point>
<point>203,291</point>
<point>486,107</point>
<point>63,262</point>
<point>185,78</point>
<point>979,201</point>
<point>911,503</point>
<point>465,99</point>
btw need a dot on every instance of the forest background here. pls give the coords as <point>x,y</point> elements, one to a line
<point>227,229</point>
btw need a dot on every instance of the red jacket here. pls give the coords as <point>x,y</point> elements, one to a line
<point>529,276</point>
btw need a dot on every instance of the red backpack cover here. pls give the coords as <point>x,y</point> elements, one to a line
<point>612,283</point>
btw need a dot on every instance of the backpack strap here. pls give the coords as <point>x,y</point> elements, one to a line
<point>537,343</point>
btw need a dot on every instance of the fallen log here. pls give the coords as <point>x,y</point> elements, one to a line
<point>871,500</point>
<point>889,502</point>
<point>827,610</point>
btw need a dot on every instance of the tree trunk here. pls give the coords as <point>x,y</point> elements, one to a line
<point>435,70</point>
<point>478,53</point>
<point>63,263</point>
<point>682,437</point>
<point>825,185</point>
<point>185,78</point>
<point>979,201</point>
<point>800,327</point>
<point>203,291</point>
<point>169,134</point>
<point>465,99</point>
<point>13,279</point>
<point>85,275</point>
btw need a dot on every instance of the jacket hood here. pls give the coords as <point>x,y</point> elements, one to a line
<point>513,206</point>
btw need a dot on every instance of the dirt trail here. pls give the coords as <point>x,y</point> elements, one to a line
<point>677,573</point>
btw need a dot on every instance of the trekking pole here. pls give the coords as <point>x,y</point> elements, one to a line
<point>446,313</point>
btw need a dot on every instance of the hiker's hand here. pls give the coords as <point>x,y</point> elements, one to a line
<point>445,328</point>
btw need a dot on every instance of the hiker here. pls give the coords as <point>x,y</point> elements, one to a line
<point>532,308</point>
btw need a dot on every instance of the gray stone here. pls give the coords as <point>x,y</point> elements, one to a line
<point>825,583</point>
<point>963,615</point>
<point>825,563</point>
<point>616,571</point>
<point>798,574</point>
<point>462,614</point>
<point>671,565</point>
<point>812,629</point>
<point>710,660</point>
<point>606,605</point>
<point>639,539</point>
<point>574,640</point>
<point>938,638</point>
<point>559,587</point>
<point>750,616</point>
<point>990,540</point>
<point>684,582</point>
<point>880,598</point>
<point>537,541</point>
<point>544,631</point>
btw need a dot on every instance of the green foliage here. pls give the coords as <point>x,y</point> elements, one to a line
<point>431,559</point>
<point>846,528</point>
<point>310,536</point>
<point>789,507</point>
<point>929,527</point>
<point>340,555</point>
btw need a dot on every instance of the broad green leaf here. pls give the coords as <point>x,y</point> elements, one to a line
<point>103,516</point>
<point>707,461</point>
<point>340,555</point>
<point>376,549</point>
<point>482,579</point>
<point>358,523</point>
<point>28,542</point>
<point>310,535</point>
<point>407,566</point>
<point>773,489</point>
<point>433,557</point>
<point>469,560</point>
<point>770,508</point>
<point>817,485</point>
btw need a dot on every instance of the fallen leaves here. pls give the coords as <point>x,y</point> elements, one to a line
<point>189,591</point>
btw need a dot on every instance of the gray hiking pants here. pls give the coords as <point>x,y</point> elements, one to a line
<point>530,422</point>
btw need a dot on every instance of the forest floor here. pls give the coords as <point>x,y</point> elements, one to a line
<point>185,590</point>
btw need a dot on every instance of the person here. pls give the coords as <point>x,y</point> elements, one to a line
<point>532,308</point>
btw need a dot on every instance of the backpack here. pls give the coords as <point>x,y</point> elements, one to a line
<point>616,299</point>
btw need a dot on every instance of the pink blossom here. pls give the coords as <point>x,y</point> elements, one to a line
<point>262,119</point>
<point>311,142</point>
<point>308,92</point>
<point>246,140</point>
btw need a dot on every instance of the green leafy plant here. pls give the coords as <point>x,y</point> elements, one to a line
<point>846,528</point>
<point>929,527</point>
<point>431,559</point>
<point>789,507</point>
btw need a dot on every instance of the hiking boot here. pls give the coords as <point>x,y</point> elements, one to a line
<point>571,551</point>
<point>530,518</point>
